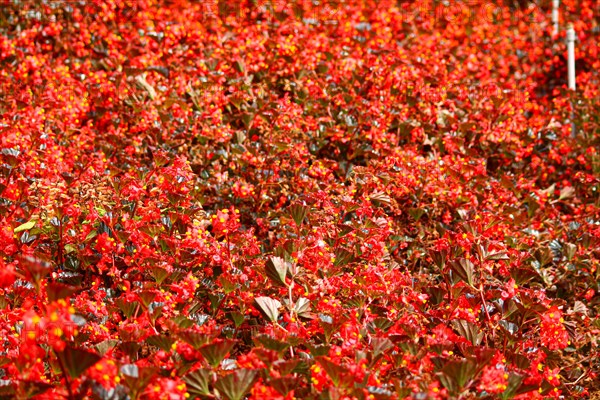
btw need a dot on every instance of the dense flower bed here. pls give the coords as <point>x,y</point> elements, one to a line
<point>298,199</point>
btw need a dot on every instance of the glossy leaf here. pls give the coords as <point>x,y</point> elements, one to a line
<point>271,344</point>
<point>277,269</point>
<point>464,269</point>
<point>455,374</point>
<point>469,331</point>
<point>215,352</point>
<point>339,375</point>
<point>235,385</point>
<point>57,291</point>
<point>198,382</point>
<point>299,212</point>
<point>76,361</point>
<point>269,307</point>
<point>24,227</point>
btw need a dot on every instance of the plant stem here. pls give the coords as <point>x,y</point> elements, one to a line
<point>71,396</point>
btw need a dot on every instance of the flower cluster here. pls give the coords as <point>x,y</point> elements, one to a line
<point>304,199</point>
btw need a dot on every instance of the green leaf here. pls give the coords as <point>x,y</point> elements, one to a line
<point>57,291</point>
<point>343,257</point>
<point>544,256</point>
<point>237,102</point>
<point>500,255</point>
<point>270,343</point>
<point>416,213</point>
<point>11,154</point>
<point>26,238</point>
<point>381,345</point>
<point>35,268</point>
<point>90,236</point>
<point>129,308</point>
<point>194,339</point>
<point>277,269</point>
<point>239,66</point>
<point>464,270</point>
<point>160,341</point>
<point>227,285</point>
<point>183,322</point>
<point>147,297</point>
<point>302,305</point>
<point>456,374</point>
<point>437,294</point>
<point>380,197</point>
<point>25,227</point>
<point>566,193</point>
<point>439,258</point>
<point>159,274</point>
<point>344,229</point>
<point>237,317</point>
<point>370,224</point>
<point>269,307</point>
<point>532,205</point>
<point>570,250</point>
<point>106,345</point>
<point>214,353</point>
<point>77,361</point>
<point>383,323</point>
<point>338,374</point>
<point>129,347</point>
<point>235,385</point>
<point>197,382</point>
<point>298,212</point>
<point>286,367</point>
<point>247,119</point>
<point>70,248</point>
<point>509,327</point>
<point>469,331</point>
<point>318,350</point>
<point>137,378</point>
<point>330,326</point>
<point>514,382</point>
<point>401,390</point>
<point>32,388</point>
<point>284,385</point>
<point>523,275</point>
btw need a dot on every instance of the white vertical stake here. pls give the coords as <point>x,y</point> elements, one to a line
<point>571,70</point>
<point>571,55</point>
<point>555,4</point>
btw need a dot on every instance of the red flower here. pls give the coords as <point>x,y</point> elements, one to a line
<point>493,380</point>
<point>7,274</point>
<point>552,331</point>
<point>105,373</point>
